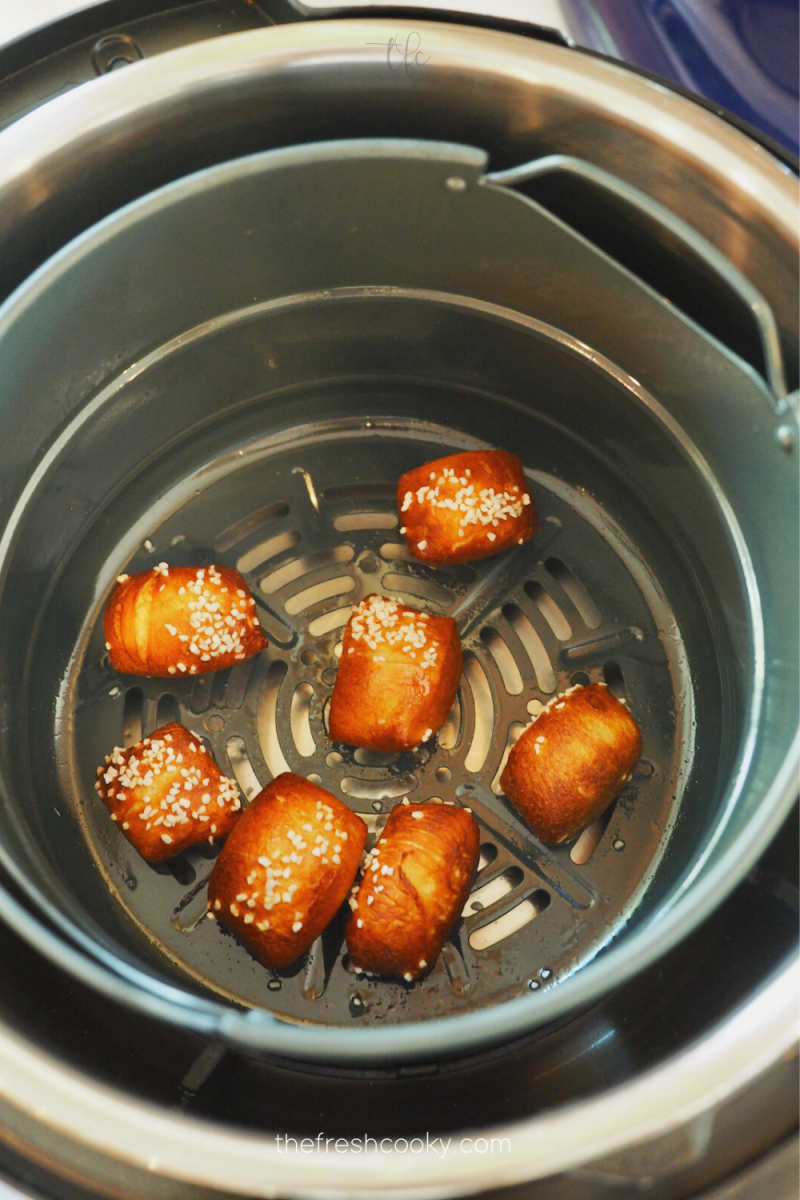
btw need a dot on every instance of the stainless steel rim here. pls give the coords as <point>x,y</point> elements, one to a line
<point>247,1164</point>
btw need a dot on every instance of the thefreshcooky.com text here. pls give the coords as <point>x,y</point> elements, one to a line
<point>415,1145</point>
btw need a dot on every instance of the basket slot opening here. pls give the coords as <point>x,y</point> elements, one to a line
<point>533,646</point>
<point>504,660</point>
<point>515,732</point>
<point>511,922</point>
<point>267,718</point>
<point>300,721</point>
<point>396,552</point>
<point>319,592</point>
<point>615,681</point>
<point>167,710</point>
<point>330,621</point>
<point>488,855</point>
<point>572,587</point>
<point>451,730</point>
<point>549,610</point>
<point>241,766</point>
<point>364,520</point>
<point>375,758</point>
<point>587,843</point>
<point>238,681</point>
<point>132,717</point>
<point>247,525</point>
<point>200,697</point>
<point>484,713</point>
<point>489,893</point>
<point>298,567</point>
<point>378,789</point>
<point>182,871</point>
<point>424,588</point>
<point>271,548</point>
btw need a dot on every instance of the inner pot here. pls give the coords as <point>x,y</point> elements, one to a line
<point>237,369</point>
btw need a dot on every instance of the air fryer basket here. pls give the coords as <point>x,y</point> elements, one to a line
<point>236,369</point>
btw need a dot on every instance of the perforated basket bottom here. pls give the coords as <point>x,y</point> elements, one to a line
<point>573,605</point>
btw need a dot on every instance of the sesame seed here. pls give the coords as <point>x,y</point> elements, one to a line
<point>408,976</point>
<point>298,925</point>
<point>417,816</point>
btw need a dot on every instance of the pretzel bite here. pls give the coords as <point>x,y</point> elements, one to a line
<point>466,506</point>
<point>397,678</point>
<point>415,883</point>
<point>572,762</point>
<point>286,869</point>
<point>166,793</point>
<point>181,621</point>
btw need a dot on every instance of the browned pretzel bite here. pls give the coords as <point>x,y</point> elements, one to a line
<point>166,793</point>
<point>398,676</point>
<point>572,762</point>
<point>181,621</point>
<point>286,869</point>
<point>415,883</point>
<point>466,506</point>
